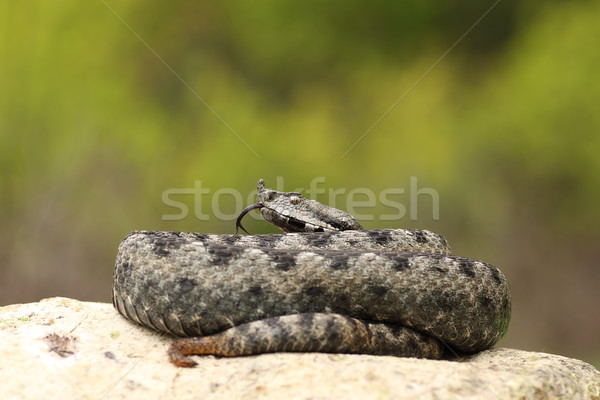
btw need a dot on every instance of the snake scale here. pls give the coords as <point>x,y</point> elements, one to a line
<point>328,286</point>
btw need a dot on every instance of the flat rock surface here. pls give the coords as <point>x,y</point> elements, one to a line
<point>68,349</point>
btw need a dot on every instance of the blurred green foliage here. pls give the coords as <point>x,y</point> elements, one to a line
<point>103,106</point>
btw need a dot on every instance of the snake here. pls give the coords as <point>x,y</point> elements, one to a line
<point>325,285</point>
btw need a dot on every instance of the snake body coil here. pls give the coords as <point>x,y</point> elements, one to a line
<point>394,292</point>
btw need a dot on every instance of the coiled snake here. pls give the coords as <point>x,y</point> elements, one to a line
<point>329,287</point>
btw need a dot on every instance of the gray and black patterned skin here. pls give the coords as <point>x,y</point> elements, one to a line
<point>291,212</point>
<point>395,291</point>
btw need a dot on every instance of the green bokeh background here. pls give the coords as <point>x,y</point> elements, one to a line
<point>95,127</point>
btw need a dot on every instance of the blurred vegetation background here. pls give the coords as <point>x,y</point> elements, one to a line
<point>94,127</point>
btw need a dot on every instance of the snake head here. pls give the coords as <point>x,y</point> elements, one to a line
<point>292,212</point>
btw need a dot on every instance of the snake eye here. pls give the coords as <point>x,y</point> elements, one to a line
<point>294,200</point>
<point>270,196</point>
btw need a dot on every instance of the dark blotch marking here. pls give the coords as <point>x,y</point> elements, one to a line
<point>125,265</point>
<point>495,273</point>
<point>163,241</point>
<point>379,290</point>
<point>330,325</point>
<point>321,240</point>
<point>273,323</point>
<point>160,248</point>
<point>436,256</point>
<point>340,262</point>
<point>296,223</point>
<point>307,319</point>
<point>438,269</point>
<point>485,301</point>
<point>314,291</point>
<point>332,221</point>
<point>334,335</point>
<point>283,261</point>
<point>232,343</point>
<point>400,263</point>
<point>467,268</point>
<point>197,237</point>
<point>233,239</point>
<point>421,237</point>
<point>236,343</point>
<point>443,240</point>
<point>445,303</point>
<point>222,254</point>
<point>186,284</point>
<point>319,230</point>
<point>255,290</point>
<point>280,329</point>
<point>244,328</point>
<point>411,343</point>
<point>380,237</point>
<point>341,302</point>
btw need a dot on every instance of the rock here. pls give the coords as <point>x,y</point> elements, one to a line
<point>64,348</point>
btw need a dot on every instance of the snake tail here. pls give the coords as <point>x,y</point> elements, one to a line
<point>308,332</point>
